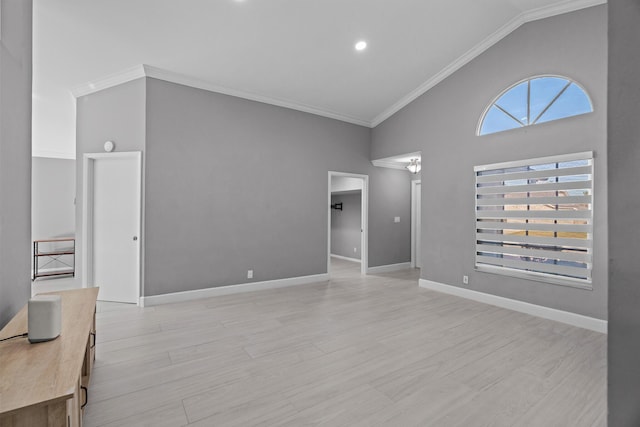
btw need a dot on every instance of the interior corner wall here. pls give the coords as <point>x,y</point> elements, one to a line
<point>346,225</point>
<point>116,114</point>
<point>15,156</point>
<point>233,185</point>
<point>442,125</point>
<point>624,204</point>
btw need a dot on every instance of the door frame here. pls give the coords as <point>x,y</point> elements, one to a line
<point>88,164</point>
<point>414,219</point>
<point>364,221</point>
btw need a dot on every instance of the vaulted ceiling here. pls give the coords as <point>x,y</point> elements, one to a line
<point>297,53</point>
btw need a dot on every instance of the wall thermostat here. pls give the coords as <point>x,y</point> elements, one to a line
<point>109,146</point>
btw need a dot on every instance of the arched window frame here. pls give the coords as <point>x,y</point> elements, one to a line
<point>528,79</point>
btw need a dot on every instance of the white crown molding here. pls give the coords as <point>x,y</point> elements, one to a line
<point>144,70</point>
<point>53,154</point>
<point>567,317</point>
<point>169,76</point>
<point>231,289</point>
<point>502,32</point>
<point>560,8</point>
<point>111,80</point>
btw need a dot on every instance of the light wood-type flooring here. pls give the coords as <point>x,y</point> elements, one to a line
<point>354,351</point>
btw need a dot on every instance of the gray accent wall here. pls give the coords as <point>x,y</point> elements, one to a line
<point>15,156</point>
<point>624,211</point>
<point>442,125</point>
<point>116,114</point>
<point>233,185</point>
<point>346,224</point>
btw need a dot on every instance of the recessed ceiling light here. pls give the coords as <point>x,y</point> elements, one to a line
<point>361,45</point>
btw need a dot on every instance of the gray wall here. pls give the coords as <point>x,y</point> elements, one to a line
<point>442,124</point>
<point>346,224</point>
<point>116,114</point>
<point>53,189</point>
<point>624,208</point>
<point>15,156</point>
<point>233,185</point>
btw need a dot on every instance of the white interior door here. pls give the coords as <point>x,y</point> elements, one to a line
<point>116,228</point>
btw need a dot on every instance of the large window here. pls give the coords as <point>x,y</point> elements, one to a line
<point>536,100</point>
<point>534,218</point>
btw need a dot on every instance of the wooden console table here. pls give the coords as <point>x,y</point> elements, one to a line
<point>45,384</point>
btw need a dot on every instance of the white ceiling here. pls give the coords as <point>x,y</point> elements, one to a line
<point>298,53</point>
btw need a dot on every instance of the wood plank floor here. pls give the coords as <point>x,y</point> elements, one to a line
<point>354,351</point>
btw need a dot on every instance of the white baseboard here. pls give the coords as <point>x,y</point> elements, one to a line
<point>231,289</point>
<point>586,322</point>
<point>346,258</point>
<point>388,268</point>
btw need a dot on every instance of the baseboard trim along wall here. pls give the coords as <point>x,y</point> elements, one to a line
<point>388,268</point>
<point>346,258</point>
<point>586,322</point>
<point>231,289</point>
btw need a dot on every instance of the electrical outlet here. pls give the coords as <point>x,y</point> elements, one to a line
<point>355,250</point>
<point>396,219</point>
<point>249,274</point>
<point>465,280</point>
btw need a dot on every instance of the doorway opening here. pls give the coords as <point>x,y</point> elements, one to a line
<point>416,225</point>
<point>111,221</point>
<point>347,231</point>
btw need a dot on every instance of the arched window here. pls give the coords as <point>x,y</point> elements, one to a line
<point>535,100</point>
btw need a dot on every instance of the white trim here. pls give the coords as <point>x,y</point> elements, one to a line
<point>231,289</point>
<point>364,219</point>
<point>54,154</point>
<point>574,319</point>
<point>144,70</point>
<point>87,212</point>
<point>414,220</point>
<point>505,30</point>
<point>345,258</point>
<point>389,268</point>
<point>111,80</point>
<point>169,76</point>
<point>559,9</point>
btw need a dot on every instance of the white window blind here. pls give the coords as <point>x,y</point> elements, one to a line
<point>534,218</point>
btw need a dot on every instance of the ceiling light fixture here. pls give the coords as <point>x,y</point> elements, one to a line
<point>414,166</point>
<point>361,45</point>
